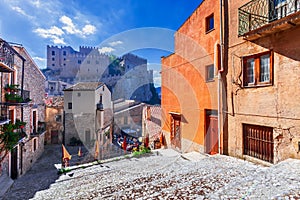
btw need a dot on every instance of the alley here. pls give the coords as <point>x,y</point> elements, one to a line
<point>164,174</point>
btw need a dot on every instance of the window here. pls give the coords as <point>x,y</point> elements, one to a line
<point>210,73</point>
<point>53,64</point>
<point>258,142</point>
<point>53,59</point>
<point>64,59</point>
<point>34,121</point>
<point>79,61</point>
<point>79,94</point>
<point>209,23</point>
<point>64,53</point>
<point>53,53</point>
<point>70,106</point>
<point>88,62</point>
<point>64,64</point>
<point>58,118</point>
<point>258,69</point>
<point>100,98</point>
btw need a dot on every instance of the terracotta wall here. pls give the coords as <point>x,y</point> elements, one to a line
<point>275,106</point>
<point>184,86</point>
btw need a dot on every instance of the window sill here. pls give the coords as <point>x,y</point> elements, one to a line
<point>209,81</point>
<point>258,85</point>
<point>208,31</point>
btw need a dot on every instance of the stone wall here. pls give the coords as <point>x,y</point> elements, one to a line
<point>30,155</point>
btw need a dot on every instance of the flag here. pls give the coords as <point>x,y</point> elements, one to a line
<point>79,152</point>
<point>124,144</point>
<point>96,149</point>
<point>65,153</point>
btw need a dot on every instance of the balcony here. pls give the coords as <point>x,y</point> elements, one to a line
<point>6,57</point>
<point>262,17</point>
<point>39,130</point>
<point>14,96</point>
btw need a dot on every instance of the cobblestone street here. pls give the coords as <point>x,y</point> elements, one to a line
<point>161,175</point>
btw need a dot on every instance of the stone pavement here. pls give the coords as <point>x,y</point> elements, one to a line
<point>166,174</point>
<point>5,183</point>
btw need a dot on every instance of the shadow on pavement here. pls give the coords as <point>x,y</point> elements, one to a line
<point>42,174</point>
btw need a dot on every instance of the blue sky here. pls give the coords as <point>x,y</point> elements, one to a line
<point>143,27</point>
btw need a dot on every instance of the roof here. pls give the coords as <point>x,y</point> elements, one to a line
<point>88,86</point>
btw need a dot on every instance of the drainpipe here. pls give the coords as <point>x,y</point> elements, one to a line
<point>220,78</point>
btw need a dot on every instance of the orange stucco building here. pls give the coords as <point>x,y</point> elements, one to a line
<point>190,83</point>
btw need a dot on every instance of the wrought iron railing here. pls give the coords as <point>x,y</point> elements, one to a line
<point>257,13</point>
<point>6,54</point>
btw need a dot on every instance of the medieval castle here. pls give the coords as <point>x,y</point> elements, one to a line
<point>127,77</point>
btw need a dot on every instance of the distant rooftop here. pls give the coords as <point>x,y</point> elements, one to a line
<point>85,86</point>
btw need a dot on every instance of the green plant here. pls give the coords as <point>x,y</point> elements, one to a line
<point>11,88</point>
<point>12,97</point>
<point>20,124</point>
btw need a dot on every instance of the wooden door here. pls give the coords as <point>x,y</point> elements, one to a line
<point>211,134</point>
<point>175,132</point>
<point>54,136</point>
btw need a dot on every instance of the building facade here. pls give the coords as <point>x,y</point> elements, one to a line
<point>54,119</point>
<point>189,84</point>
<point>22,105</point>
<point>151,121</point>
<point>55,88</point>
<point>263,72</point>
<point>88,112</point>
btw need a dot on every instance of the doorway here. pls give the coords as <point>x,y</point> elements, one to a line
<point>54,136</point>
<point>211,132</point>
<point>175,135</point>
<point>14,163</point>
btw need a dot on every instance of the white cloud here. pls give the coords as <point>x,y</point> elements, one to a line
<point>53,33</point>
<point>106,50</point>
<point>70,27</point>
<point>35,3</point>
<point>41,62</point>
<point>156,78</point>
<point>21,11</point>
<point>88,29</point>
<point>115,43</point>
<point>45,33</point>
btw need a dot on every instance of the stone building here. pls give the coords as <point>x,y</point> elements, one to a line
<point>22,92</point>
<point>34,113</point>
<point>54,119</point>
<point>55,88</point>
<point>126,76</point>
<point>151,122</point>
<point>190,85</point>
<point>88,112</point>
<point>263,80</point>
<point>66,64</point>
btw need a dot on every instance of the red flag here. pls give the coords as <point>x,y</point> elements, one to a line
<point>124,143</point>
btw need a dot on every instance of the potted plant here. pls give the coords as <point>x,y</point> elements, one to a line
<point>20,124</point>
<point>11,88</point>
